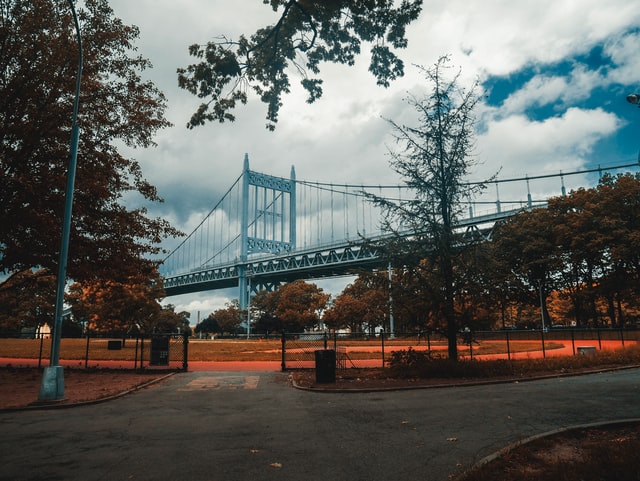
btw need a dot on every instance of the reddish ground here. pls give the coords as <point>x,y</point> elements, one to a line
<point>20,387</point>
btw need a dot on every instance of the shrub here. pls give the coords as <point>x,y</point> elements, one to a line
<point>420,364</point>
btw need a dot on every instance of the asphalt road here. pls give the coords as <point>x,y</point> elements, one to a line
<point>217,426</point>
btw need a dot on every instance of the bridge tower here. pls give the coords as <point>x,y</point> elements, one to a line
<point>268,222</point>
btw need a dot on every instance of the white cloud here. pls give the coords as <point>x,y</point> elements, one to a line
<point>343,138</point>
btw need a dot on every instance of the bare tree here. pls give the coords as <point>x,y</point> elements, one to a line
<point>434,159</point>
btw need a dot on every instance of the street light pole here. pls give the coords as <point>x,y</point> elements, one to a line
<point>541,303</point>
<point>52,386</point>
<point>249,276</point>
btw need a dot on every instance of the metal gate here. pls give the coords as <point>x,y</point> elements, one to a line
<point>166,350</point>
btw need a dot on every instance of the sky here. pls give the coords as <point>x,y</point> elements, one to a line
<point>555,75</point>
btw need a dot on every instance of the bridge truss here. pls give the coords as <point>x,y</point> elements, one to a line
<point>269,230</point>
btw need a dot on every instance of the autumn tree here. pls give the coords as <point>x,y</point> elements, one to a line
<point>209,325</point>
<point>292,307</point>
<point>345,312</point>
<point>583,247</point>
<point>618,204</point>
<point>27,300</point>
<point>109,240</point>
<point>434,157</point>
<point>168,320</point>
<point>230,318</point>
<point>306,34</point>
<point>299,305</point>
<point>528,242</point>
<point>362,305</point>
<point>263,313</point>
<point>118,308</point>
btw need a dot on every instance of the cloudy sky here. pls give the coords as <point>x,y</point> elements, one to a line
<point>555,75</point>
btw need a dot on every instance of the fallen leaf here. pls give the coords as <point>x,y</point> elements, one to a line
<point>254,451</point>
<point>452,439</point>
<point>276,465</point>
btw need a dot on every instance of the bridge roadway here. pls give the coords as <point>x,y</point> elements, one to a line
<point>342,258</point>
<point>237,426</point>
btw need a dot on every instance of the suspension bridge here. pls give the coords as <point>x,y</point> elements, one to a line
<point>268,230</point>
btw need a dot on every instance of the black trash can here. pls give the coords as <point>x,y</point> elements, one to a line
<point>326,366</point>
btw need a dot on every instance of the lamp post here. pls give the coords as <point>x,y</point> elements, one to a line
<point>634,99</point>
<point>52,385</point>
<point>541,303</point>
<point>249,277</point>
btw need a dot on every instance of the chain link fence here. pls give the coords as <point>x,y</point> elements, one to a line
<point>155,351</point>
<point>364,351</point>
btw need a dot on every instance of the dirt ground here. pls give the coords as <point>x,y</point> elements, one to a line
<point>594,453</point>
<point>20,387</point>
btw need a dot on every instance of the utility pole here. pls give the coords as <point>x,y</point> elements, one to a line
<point>52,386</point>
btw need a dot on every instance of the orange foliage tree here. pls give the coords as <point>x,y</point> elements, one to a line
<point>293,307</point>
<point>27,300</point>
<point>109,240</point>
<point>120,308</point>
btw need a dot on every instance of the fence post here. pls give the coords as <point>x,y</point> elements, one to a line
<point>185,352</point>
<point>40,354</point>
<point>283,365</point>
<point>573,342</point>
<point>622,335</point>
<point>382,337</point>
<point>135,356</point>
<point>142,352</point>
<point>544,352</point>
<point>599,339</point>
<point>86,351</point>
<point>326,338</point>
<point>508,346</point>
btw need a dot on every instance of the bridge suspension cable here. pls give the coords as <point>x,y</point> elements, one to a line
<point>327,214</point>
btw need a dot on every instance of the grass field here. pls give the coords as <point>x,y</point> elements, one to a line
<point>244,350</point>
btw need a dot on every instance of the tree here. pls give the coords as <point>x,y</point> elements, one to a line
<point>230,318</point>
<point>364,304</point>
<point>37,82</point>
<point>433,160</point>
<point>263,311</point>
<point>292,307</point>
<point>299,305</point>
<point>307,33</point>
<point>345,313</point>
<point>27,300</point>
<point>529,244</point>
<point>116,308</point>
<point>208,325</point>
<point>168,320</point>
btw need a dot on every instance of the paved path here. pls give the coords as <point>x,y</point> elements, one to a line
<point>227,426</point>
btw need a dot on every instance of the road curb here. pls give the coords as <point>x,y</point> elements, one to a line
<point>318,389</point>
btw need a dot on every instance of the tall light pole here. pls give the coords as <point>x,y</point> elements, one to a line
<point>249,276</point>
<point>541,303</point>
<point>52,386</point>
<point>392,333</point>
